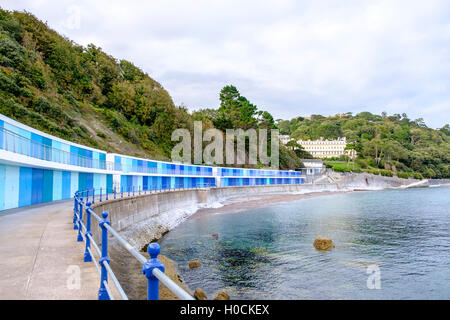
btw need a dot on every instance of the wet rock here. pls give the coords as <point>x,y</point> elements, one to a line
<point>215,235</point>
<point>222,295</point>
<point>159,233</point>
<point>194,264</point>
<point>321,243</point>
<point>199,294</point>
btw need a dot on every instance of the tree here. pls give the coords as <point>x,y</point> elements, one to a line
<point>265,120</point>
<point>235,111</point>
<point>292,144</point>
<point>446,130</point>
<point>284,126</point>
<point>420,122</point>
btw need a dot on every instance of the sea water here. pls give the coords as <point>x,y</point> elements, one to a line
<point>390,244</point>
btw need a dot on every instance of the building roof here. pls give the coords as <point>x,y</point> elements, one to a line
<point>312,160</point>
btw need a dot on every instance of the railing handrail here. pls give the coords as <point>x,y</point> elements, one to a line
<point>155,272</point>
<point>130,168</point>
<point>171,285</point>
<point>53,154</point>
<point>66,154</point>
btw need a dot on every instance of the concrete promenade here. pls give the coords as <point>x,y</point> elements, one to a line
<point>40,257</point>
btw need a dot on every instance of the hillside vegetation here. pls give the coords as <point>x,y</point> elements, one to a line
<point>86,96</point>
<point>385,144</point>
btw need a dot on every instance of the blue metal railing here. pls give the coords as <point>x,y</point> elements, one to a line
<point>13,142</point>
<point>257,173</point>
<point>18,144</point>
<point>130,168</point>
<point>152,268</point>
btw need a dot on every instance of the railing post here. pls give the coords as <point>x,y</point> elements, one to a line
<point>133,190</point>
<point>102,293</point>
<point>139,190</point>
<point>121,191</point>
<point>80,220</point>
<point>106,191</point>
<point>100,194</point>
<point>128,190</point>
<point>75,211</point>
<point>114,192</point>
<point>93,195</point>
<point>87,254</point>
<point>153,250</point>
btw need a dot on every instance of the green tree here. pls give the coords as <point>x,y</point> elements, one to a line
<point>235,111</point>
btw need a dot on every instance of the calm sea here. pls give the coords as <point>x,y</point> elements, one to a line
<point>392,244</point>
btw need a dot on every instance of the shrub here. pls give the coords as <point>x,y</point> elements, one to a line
<point>341,169</point>
<point>362,163</point>
<point>429,173</point>
<point>25,92</point>
<point>371,162</point>
<point>11,53</point>
<point>11,26</point>
<point>403,175</point>
<point>417,175</point>
<point>51,110</point>
<point>101,134</point>
<point>386,173</point>
<point>8,84</point>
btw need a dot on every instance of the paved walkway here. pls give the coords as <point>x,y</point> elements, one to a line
<point>39,255</point>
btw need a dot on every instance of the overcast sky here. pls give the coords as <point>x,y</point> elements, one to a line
<point>288,57</point>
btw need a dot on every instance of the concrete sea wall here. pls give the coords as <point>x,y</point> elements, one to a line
<point>371,182</point>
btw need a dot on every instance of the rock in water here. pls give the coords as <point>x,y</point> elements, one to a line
<point>322,243</point>
<point>199,294</point>
<point>215,235</point>
<point>222,295</point>
<point>194,264</point>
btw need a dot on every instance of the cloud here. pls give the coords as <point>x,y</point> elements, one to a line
<point>289,57</point>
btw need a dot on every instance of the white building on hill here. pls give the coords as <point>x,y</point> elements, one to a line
<point>325,148</point>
